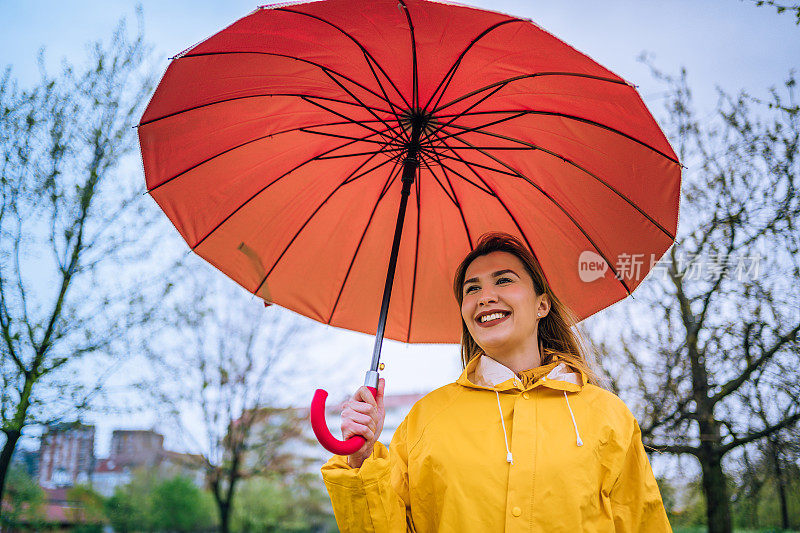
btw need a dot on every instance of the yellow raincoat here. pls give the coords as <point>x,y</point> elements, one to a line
<point>568,456</point>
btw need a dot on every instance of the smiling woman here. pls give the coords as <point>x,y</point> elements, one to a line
<point>524,440</point>
<point>517,278</point>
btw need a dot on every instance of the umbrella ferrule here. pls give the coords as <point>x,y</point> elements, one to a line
<point>371,379</point>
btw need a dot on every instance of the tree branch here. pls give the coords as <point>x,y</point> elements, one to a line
<point>735,383</point>
<point>740,441</point>
<point>675,449</point>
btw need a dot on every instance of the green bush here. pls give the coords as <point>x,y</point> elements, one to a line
<point>178,505</point>
<point>128,510</point>
<point>23,501</point>
<point>150,504</point>
<point>278,505</point>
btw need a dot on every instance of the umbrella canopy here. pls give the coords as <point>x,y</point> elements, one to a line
<point>277,146</point>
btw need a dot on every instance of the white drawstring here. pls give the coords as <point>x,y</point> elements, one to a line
<point>509,459</point>
<point>577,435</point>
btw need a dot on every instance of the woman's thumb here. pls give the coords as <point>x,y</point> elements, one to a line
<point>381,387</point>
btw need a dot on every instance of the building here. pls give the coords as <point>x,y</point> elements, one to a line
<point>133,450</point>
<point>188,465</point>
<point>109,474</point>
<point>139,447</point>
<point>66,455</point>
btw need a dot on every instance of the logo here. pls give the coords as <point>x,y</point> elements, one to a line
<point>591,266</point>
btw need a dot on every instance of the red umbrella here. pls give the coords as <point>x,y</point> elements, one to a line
<point>287,148</point>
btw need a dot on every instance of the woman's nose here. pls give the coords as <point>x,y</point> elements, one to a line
<point>486,297</point>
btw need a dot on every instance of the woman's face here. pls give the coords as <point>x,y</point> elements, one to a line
<point>498,288</point>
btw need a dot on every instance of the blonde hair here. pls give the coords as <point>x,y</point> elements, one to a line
<point>558,338</point>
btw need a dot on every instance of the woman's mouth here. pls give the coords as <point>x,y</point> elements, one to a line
<point>492,320</point>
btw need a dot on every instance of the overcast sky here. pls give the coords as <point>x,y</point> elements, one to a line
<point>727,43</point>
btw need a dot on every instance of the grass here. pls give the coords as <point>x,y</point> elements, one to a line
<point>701,529</point>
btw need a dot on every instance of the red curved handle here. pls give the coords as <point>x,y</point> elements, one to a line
<point>324,436</point>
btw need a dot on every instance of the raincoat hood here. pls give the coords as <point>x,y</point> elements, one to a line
<point>491,453</point>
<point>486,373</point>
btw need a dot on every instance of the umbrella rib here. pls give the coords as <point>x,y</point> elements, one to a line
<point>354,97</point>
<point>356,154</point>
<point>517,148</point>
<point>386,96</point>
<point>414,78</point>
<point>181,173</point>
<point>506,81</point>
<point>338,136</point>
<point>209,104</point>
<point>460,175</point>
<point>455,117</point>
<point>293,58</point>
<point>507,210</point>
<point>308,220</point>
<point>270,184</point>
<point>519,113</point>
<point>448,77</point>
<point>531,146</point>
<point>441,138</point>
<point>357,43</point>
<point>460,212</point>
<point>479,165</point>
<point>562,209</point>
<point>351,120</point>
<point>416,257</point>
<point>392,176</point>
<point>358,176</point>
<point>455,203</point>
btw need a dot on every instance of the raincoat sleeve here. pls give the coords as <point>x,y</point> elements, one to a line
<point>373,498</point>
<point>635,499</point>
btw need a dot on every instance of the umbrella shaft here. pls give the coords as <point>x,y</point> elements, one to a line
<point>410,165</point>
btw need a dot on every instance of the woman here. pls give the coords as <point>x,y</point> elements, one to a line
<point>524,440</point>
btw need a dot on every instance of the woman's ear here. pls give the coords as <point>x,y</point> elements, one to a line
<point>544,306</point>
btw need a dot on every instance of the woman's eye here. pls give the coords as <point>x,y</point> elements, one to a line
<point>501,279</point>
<point>469,289</point>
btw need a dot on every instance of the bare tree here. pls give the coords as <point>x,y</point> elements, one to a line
<point>70,218</point>
<point>724,300</point>
<point>781,7</point>
<point>226,361</point>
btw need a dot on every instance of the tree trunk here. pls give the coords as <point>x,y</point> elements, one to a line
<point>12,436</point>
<point>779,479</point>
<point>223,505</point>
<point>718,511</point>
<point>224,517</point>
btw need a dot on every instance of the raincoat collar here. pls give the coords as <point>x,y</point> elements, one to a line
<point>483,372</point>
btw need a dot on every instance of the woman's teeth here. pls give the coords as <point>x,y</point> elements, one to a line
<point>493,316</point>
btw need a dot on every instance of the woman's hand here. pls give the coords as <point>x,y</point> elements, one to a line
<point>363,415</point>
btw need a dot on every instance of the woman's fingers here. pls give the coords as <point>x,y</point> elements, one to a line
<point>351,428</point>
<point>360,418</point>
<point>363,414</point>
<point>379,397</point>
<point>361,407</point>
<point>363,394</point>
